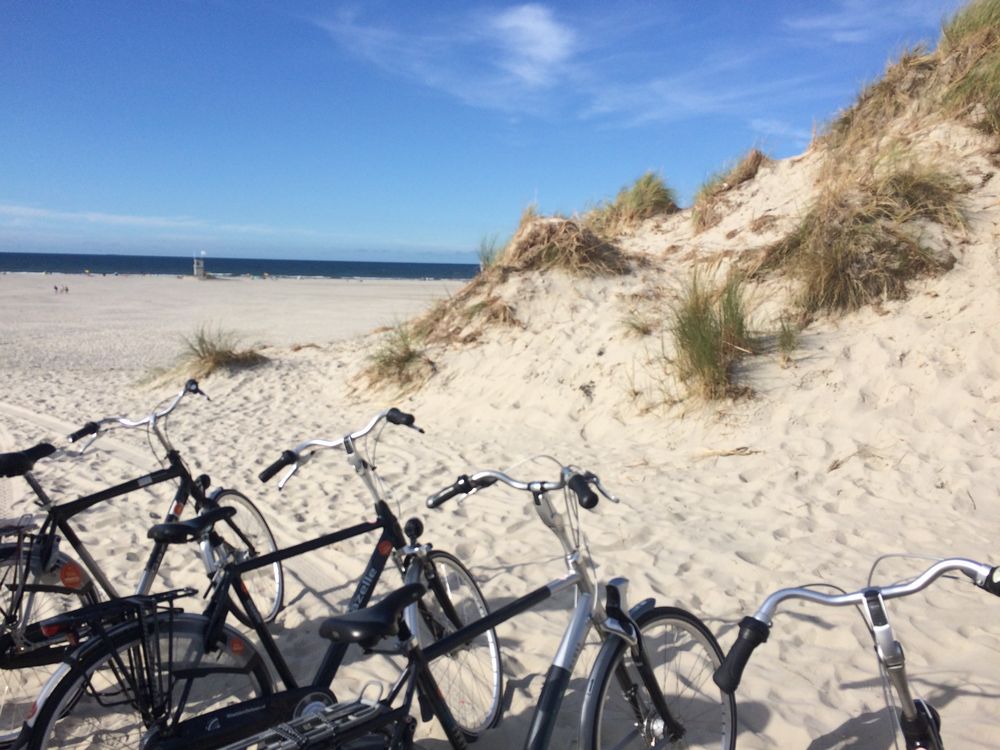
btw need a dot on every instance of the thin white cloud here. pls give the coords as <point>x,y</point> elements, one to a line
<point>21,214</point>
<point>780,129</point>
<point>15,219</point>
<point>859,21</point>
<point>506,60</point>
<point>535,43</point>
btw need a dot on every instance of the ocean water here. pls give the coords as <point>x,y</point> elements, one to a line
<point>182,266</point>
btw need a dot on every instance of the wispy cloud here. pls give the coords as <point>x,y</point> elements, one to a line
<point>22,214</point>
<point>501,60</point>
<point>773,127</point>
<point>15,219</point>
<point>858,21</point>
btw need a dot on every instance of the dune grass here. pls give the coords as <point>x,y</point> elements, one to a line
<point>705,211</point>
<point>710,331</point>
<point>853,247</point>
<point>548,244</point>
<point>490,249</point>
<point>972,38</point>
<point>399,360</point>
<point>209,349</point>
<point>648,196</point>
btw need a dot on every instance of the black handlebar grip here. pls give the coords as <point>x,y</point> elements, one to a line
<point>462,486</point>
<point>587,497</point>
<point>287,459</point>
<point>992,582</point>
<point>88,429</point>
<point>395,416</point>
<point>752,634</point>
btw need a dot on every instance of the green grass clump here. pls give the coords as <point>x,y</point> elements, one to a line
<point>710,331</point>
<point>705,212</point>
<point>648,196</point>
<point>209,350</point>
<point>489,250</point>
<point>853,248</point>
<point>399,360</point>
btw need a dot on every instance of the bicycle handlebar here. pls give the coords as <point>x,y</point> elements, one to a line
<point>93,428</point>
<point>578,481</point>
<point>754,630</point>
<point>295,458</point>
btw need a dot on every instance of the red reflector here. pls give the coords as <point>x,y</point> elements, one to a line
<point>384,547</point>
<point>34,708</point>
<point>50,630</point>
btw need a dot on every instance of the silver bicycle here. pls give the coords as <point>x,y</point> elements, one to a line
<point>918,722</point>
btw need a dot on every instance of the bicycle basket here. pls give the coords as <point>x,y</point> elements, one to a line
<point>13,519</point>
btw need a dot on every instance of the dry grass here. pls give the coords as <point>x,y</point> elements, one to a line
<point>561,244</point>
<point>489,250</point>
<point>639,324</point>
<point>853,247</point>
<point>399,361</point>
<point>706,211</point>
<point>971,38</point>
<point>211,349</point>
<point>647,197</point>
<point>710,331</point>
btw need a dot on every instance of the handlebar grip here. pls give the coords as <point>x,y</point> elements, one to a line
<point>287,459</point>
<point>462,486</point>
<point>992,582</point>
<point>752,633</point>
<point>90,428</point>
<point>395,416</point>
<point>587,497</point>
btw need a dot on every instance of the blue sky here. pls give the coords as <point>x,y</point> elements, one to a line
<point>398,131</point>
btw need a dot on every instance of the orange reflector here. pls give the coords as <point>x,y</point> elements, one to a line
<point>236,645</point>
<point>384,547</point>
<point>71,575</point>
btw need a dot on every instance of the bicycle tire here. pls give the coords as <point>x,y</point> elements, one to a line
<point>76,709</point>
<point>471,677</point>
<point>683,654</point>
<point>20,684</point>
<point>244,537</point>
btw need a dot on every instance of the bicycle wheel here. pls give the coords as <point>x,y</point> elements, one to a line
<point>26,665</point>
<point>470,677</point>
<point>244,537</point>
<point>683,654</point>
<point>92,702</point>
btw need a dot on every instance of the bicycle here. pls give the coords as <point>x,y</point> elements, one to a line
<point>68,705</point>
<point>630,700</point>
<point>918,721</point>
<point>42,580</point>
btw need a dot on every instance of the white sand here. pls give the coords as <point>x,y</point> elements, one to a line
<point>880,437</point>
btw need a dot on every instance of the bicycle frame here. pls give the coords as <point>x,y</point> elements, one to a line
<point>57,520</point>
<point>417,675</point>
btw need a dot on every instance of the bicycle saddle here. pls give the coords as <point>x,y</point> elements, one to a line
<point>178,532</point>
<point>20,462</point>
<point>368,625</point>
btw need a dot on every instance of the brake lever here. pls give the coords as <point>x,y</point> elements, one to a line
<point>602,489</point>
<point>291,472</point>
<point>304,458</point>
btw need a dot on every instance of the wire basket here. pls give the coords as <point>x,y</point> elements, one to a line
<point>12,510</point>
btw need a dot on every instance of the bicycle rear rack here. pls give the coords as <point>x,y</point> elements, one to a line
<point>330,724</point>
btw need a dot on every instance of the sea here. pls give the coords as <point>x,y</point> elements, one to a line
<point>183,266</point>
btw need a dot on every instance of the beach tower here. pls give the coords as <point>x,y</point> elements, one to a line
<point>199,267</point>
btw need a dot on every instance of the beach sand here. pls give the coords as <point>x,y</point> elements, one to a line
<point>879,436</point>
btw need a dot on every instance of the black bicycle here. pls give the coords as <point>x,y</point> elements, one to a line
<point>650,685</point>
<point>918,721</point>
<point>96,685</point>
<point>39,580</point>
